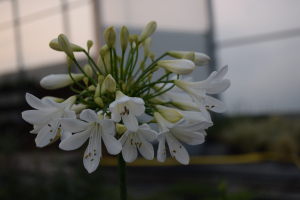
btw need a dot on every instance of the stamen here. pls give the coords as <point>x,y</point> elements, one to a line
<point>95,154</point>
<point>174,157</point>
<point>180,146</point>
<point>94,149</point>
<point>131,141</point>
<point>86,156</point>
<point>174,151</point>
<point>50,139</point>
<point>49,125</point>
<point>51,130</point>
<point>92,159</point>
<point>90,154</point>
<point>212,106</point>
<point>165,149</point>
<point>140,145</point>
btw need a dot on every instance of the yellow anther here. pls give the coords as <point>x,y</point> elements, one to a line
<point>174,157</point>
<point>50,139</point>
<point>174,151</point>
<point>92,159</point>
<point>165,149</point>
<point>90,154</point>
<point>86,156</point>
<point>140,145</point>
<point>180,146</point>
<point>94,149</point>
<point>95,154</point>
<point>51,130</point>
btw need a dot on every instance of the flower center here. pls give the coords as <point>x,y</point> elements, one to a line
<point>126,111</point>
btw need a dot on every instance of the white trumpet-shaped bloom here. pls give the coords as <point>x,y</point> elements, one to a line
<point>191,134</point>
<point>199,60</point>
<point>94,128</point>
<point>46,119</point>
<point>55,81</point>
<point>182,66</point>
<point>126,108</point>
<point>138,139</point>
<point>214,84</point>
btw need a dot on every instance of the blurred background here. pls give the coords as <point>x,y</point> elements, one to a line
<point>251,152</point>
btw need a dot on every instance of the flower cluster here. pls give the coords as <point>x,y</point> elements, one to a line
<point>112,92</point>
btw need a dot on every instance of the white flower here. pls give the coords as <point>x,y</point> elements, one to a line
<point>182,66</point>
<point>95,129</point>
<point>55,81</point>
<point>46,119</point>
<point>127,108</point>
<point>137,139</point>
<point>199,60</point>
<point>214,84</point>
<point>191,134</point>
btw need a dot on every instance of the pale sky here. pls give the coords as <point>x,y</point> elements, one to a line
<point>264,76</point>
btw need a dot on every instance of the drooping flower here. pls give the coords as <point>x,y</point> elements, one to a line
<point>191,134</point>
<point>182,66</point>
<point>126,108</point>
<point>55,81</point>
<point>95,128</point>
<point>131,140</point>
<point>214,84</point>
<point>46,119</point>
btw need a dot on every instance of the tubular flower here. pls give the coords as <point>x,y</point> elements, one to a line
<point>126,108</point>
<point>131,140</point>
<point>199,60</point>
<point>191,134</point>
<point>214,84</point>
<point>46,119</point>
<point>95,128</point>
<point>55,81</point>
<point>182,66</point>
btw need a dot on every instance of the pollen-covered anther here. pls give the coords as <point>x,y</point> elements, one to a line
<point>140,145</point>
<point>92,159</point>
<point>95,154</point>
<point>94,149</point>
<point>50,139</point>
<point>86,156</point>
<point>174,157</point>
<point>90,154</point>
<point>174,151</point>
<point>165,149</point>
<point>131,141</point>
<point>51,130</point>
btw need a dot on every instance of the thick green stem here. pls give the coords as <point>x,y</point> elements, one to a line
<point>122,177</point>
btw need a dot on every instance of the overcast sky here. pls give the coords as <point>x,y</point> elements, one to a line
<point>264,76</point>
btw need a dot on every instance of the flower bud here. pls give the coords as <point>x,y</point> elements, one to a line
<point>69,61</point>
<point>147,46</point>
<point>99,102</point>
<point>86,81</point>
<point>155,100</point>
<point>79,108</point>
<point>55,81</point>
<point>110,83</point>
<point>169,114</point>
<point>88,70</point>
<point>130,39</point>
<point>148,30</point>
<point>185,105</point>
<point>121,129</point>
<point>199,60</point>
<point>135,38</point>
<point>103,50</point>
<point>124,37</point>
<point>100,79</point>
<point>142,65</point>
<point>154,69</point>
<point>110,36</point>
<point>97,91</point>
<point>149,77</point>
<point>56,99</point>
<point>89,44</point>
<point>182,67</point>
<point>190,56</point>
<point>55,46</point>
<point>65,45</point>
<point>152,55</point>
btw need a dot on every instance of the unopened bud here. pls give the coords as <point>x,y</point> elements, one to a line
<point>147,46</point>
<point>121,129</point>
<point>148,30</point>
<point>100,79</point>
<point>155,69</point>
<point>88,70</point>
<point>149,77</point>
<point>99,102</point>
<point>155,100</point>
<point>55,46</point>
<point>110,36</point>
<point>124,37</point>
<point>103,50</point>
<point>86,81</point>
<point>110,83</point>
<point>190,56</point>
<point>89,44</point>
<point>56,99</point>
<point>65,45</point>
<point>152,55</point>
<point>130,39</point>
<point>169,114</point>
<point>135,38</point>
<point>142,65</point>
<point>69,61</point>
<point>97,91</point>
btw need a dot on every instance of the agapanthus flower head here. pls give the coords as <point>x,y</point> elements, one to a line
<point>111,93</point>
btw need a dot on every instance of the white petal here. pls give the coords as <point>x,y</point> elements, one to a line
<point>130,122</point>
<point>129,150</point>
<point>37,116</point>
<point>64,134</point>
<point>202,108</point>
<point>91,162</point>
<point>215,105</point>
<point>36,103</point>
<point>74,125</point>
<point>135,109</point>
<point>113,146</point>
<point>191,138</point>
<point>37,128</point>
<point>218,87</point>
<point>220,74</point>
<point>108,126</point>
<point>147,132</point>
<point>123,139</point>
<point>177,150</point>
<point>75,141</point>
<point>161,152</point>
<point>89,116</point>
<point>53,103</point>
<point>145,147</point>
<point>46,134</point>
<point>182,66</point>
